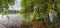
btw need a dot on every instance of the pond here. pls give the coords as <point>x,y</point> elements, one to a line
<point>14,19</point>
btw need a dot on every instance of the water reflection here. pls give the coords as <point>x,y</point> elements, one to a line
<point>14,19</point>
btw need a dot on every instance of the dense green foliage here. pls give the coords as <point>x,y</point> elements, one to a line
<point>4,5</point>
<point>38,10</point>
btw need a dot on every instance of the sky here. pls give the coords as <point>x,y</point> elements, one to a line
<point>16,6</point>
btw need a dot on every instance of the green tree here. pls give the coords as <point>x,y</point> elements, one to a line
<point>4,5</point>
<point>38,10</point>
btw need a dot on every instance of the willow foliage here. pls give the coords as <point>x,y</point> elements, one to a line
<point>4,5</point>
<point>41,9</point>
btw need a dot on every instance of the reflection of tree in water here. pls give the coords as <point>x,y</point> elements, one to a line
<point>12,26</point>
<point>2,26</point>
<point>10,23</point>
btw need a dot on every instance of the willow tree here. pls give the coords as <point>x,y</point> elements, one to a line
<point>37,10</point>
<point>40,9</point>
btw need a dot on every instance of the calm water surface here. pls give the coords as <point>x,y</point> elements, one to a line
<point>12,20</point>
